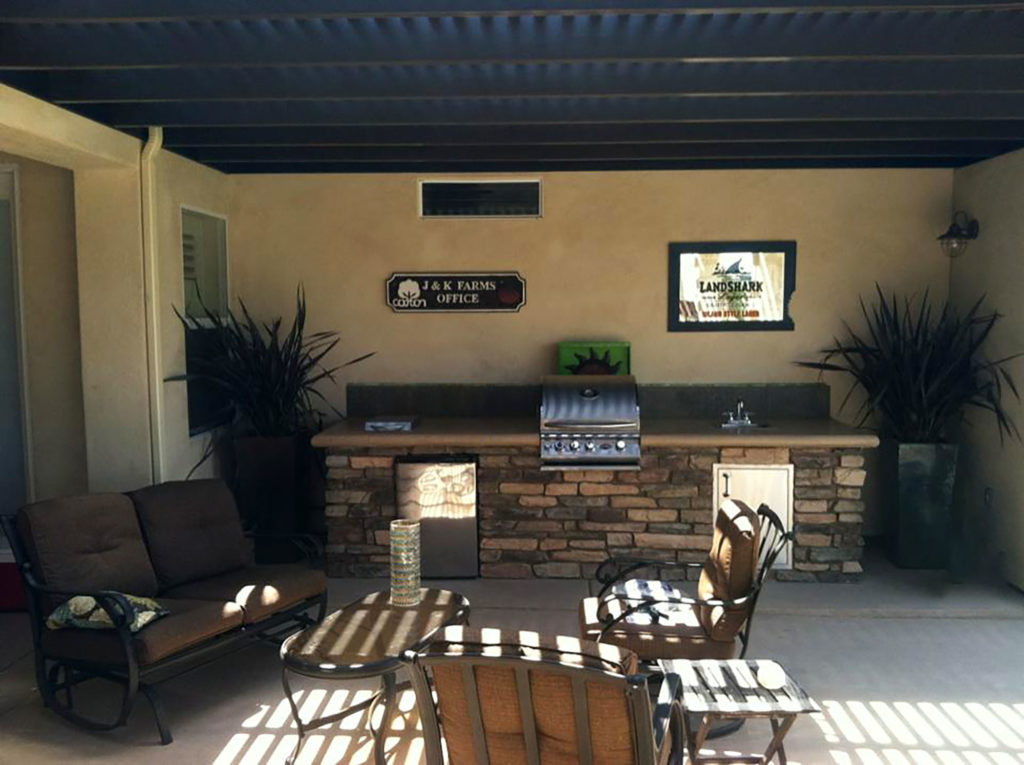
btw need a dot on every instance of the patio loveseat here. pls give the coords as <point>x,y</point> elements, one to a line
<point>181,543</point>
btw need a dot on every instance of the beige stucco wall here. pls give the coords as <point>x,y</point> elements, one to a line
<point>179,182</point>
<point>112,317</point>
<point>595,265</point>
<point>49,307</point>
<point>993,192</point>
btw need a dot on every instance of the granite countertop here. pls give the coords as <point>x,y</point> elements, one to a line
<point>469,432</point>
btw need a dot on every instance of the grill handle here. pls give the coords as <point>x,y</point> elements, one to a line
<point>608,425</point>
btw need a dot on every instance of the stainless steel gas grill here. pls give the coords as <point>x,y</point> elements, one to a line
<point>589,422</point>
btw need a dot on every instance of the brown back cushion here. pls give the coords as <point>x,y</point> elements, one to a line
<point>730,569</point>
<point>192,530</point>
<point>611,731</point>
<point>85,543</point>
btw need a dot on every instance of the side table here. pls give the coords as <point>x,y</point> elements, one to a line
<point>365,639</point>
<point>715,689</point>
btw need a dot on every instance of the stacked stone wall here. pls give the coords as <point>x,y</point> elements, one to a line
<point>563,524</point>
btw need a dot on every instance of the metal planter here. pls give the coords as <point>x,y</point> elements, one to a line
<point>917,488</point>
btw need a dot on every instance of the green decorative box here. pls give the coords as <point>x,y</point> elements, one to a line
<point>593,357</point>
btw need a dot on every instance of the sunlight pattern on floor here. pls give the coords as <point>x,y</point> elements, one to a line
<point>852,732</point>
<point>268,736</point>
<point>922,733</point>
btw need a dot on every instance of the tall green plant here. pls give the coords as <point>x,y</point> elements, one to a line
<point>919,369</point>
<point>269,375</point>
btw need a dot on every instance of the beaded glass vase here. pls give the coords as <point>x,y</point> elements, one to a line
<point>405,562</point>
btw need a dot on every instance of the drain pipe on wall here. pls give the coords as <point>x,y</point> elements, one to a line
<point>150,270</point>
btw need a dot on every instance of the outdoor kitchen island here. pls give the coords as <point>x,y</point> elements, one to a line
<point>563,523</point>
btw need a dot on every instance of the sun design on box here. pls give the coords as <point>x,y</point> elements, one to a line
<point>594,364</point>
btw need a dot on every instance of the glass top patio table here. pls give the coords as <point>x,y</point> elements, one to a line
<point>369,635</point>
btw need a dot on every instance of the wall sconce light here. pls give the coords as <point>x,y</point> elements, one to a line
<point>961,231</point>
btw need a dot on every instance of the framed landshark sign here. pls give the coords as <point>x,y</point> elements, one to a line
<point>730,286</point>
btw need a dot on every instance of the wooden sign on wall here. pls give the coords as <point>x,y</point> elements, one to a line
<point>483,292</point>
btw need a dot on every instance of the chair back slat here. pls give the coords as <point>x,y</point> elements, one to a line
<point>475,716</point>
<point>428,718</point>
<point>492,695</point>
<point>526,715</point>
<point>773,540</point>
<point>582,713</point>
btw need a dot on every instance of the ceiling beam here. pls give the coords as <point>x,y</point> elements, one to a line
<point>699,132</point>
<point>596,152</point>
<point>564,111</point>
<point>410,41</point>
<point>526,80</point>
<point>132,11</point>
<point>543,167</point>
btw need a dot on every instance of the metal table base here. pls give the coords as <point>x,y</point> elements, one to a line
<point>364,639</point>
<point>387,694</point>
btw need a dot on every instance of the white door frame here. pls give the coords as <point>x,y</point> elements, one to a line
<point>20,331</point>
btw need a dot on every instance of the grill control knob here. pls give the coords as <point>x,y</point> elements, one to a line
<point>620,445</point>
<point>559,446</point>
<point>574,445</point>
<point>590,446</point>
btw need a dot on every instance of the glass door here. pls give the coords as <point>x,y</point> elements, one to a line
<point>12,444</point>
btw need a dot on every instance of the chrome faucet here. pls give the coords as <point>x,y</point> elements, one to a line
<point>739,418</point>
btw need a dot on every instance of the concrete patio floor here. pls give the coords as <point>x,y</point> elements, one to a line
<point>908,667</point>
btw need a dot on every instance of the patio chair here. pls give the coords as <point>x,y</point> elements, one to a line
<point>656,620</point>
<point>516,697</point>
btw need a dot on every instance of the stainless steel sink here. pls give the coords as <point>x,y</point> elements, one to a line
<point>739,419</point>
<point>743,426</point>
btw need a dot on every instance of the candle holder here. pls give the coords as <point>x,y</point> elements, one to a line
<point>405,562</point>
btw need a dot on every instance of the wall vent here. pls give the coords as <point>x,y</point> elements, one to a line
<point>480,199</point>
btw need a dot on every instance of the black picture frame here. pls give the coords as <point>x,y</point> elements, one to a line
<point>785,324</point>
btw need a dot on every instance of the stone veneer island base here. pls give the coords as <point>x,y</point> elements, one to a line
<point>563,524</point>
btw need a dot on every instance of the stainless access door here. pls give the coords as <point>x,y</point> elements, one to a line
<point>440,492</point>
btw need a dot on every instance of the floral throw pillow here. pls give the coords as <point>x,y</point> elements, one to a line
<point>84,612</point>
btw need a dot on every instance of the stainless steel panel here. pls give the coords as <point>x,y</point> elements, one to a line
<point>589,421</point>
<point>441,494</point>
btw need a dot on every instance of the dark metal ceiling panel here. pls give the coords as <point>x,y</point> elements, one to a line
<point>986,75</point>
<point>424,168</point>
<point>64,11</point>
<point>629,133</point>
<point>511,39</point>
<point>605,152</point>
<point>586,109</point>
<point>495,85</point>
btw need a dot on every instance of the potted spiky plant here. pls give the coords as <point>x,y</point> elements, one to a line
<point>920,370</point>
<point>269,376</point>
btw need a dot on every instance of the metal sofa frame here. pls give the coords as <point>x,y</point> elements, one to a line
<point>57,676</point>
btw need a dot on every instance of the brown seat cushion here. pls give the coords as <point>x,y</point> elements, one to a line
<point>190,622</point>
<point>550,692</point>
<point>192,530</point>
<point>86,543</point>
<point>678,634</point>
<point>730,569</point>
<point>261,591</point>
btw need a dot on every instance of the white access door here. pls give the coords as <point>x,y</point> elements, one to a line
<point>755,485</point>
<point>12,443</point>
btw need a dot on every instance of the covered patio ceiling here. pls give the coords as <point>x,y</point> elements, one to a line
<point>348,86</point>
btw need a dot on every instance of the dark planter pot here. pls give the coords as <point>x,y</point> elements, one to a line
<point>917,488</point>
<point>265,483</point>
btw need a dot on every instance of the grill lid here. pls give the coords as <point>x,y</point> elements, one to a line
<point>605,402</point>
